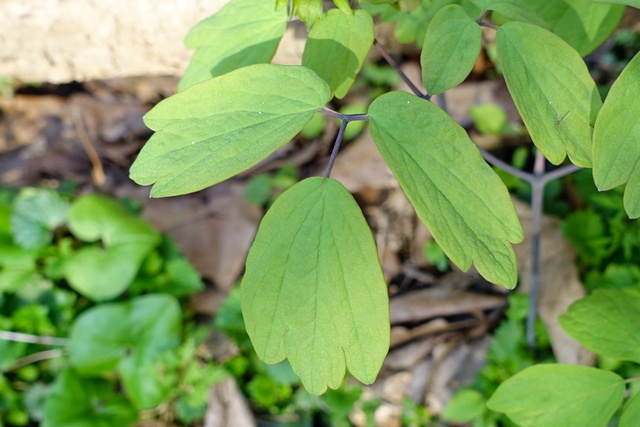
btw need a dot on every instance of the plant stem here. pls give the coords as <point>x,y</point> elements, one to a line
<point>480,21</point>
<point>537,200</point>
<point>32,339</point>
<point>336,147</point>
<point>398,70</point>
<point>347,117</point>
<point>37,357</point>
<point>530,178</point>
<point>630,380</point>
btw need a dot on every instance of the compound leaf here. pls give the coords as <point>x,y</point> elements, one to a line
<point>606,323</point>
<point>631,412</point>
<point>616,150</point>
<point>337,47</point>
<point>558,100</point>
<point>451,46</point>
<point>102,273</point>
<point>243,32</point>
<point>455,193</point>
<point>309,11</point>
<point>80,402</point>
<point>221,127</point>
<point>313,291</point>
<point>551,395</point>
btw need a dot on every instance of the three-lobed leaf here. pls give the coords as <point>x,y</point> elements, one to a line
<point>337,47</point>
<point>551,395</point>
<point>451,47</point>
<point>313,291</point>
<point>455,193</point>
<point>615,137</point>
<point>243,32</point>
<point>558,100</point>
<point>606,322</point>
<point>221,127</point>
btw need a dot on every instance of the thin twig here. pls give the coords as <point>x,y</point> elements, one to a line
<point>398,70</point>
<point>506,166</point>
<point>347,117</point>
<point>336,148</point>
<point>537,200</point>
<point>38,357</point>
<point>488,25</point>
<point>32,339</point>
<point>559,173</point>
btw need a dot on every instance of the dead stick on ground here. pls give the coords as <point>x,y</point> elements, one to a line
<point>97,172</point>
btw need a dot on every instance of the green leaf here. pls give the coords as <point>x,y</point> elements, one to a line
<point>634,3</point>
<point>465,406</point>
<point>455,193</point>
<point>583,24</point>
<point>559,396</point>
<point>210,133</point>
<point>631,412</point>
<point>243,32</point>
<point>343,5</point>
<point>616,150</point>
<point>451,46</point>
<point>128,337</point>
<point>558,100</point>
<point>309,11</point>
<point>488,118</point>
<point>313,291</point>
<point>337,47</point>
<point>104,273</point>
<point>519,10</point>
<point>79,402</point>
<point>606,322</point>
<point>36,213</point>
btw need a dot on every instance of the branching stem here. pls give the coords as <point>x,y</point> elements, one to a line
<point>347,117</point>
<point>336,147</point>
<point>401,73</point>
<point>32,339</point>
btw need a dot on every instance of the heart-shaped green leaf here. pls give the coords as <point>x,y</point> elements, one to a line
<point>221,127</point>
<point>81,402</point>
<point>558,100</point>
<point>313,291</point>
<point>455,193</point>
<point>558,396</point>
<point>451,46</point>
<point>616,152</point>
<point>104,273</point>
<point>128,337</point>
<point>606,323</point>
<point>243,32</point>
<point>337,47</point>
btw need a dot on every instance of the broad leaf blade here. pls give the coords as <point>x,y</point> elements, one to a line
<point>583,24</point>
<point>616,150</point>
<point>81,402</point>
<point>456,194</point>
<point>606,322</point>
<point>631,412</point>
<point>519,10</point>
<point>313,291</point>
<point>243,32</point>
<point>223,126</point>
<point>634,3</point>
<point>309,11</point>
<point>451,46</point>
<point>337,47</point>
<point>558,100</point>
<point>559,396</point>
<point>102,273</point>
<point>36,213</point>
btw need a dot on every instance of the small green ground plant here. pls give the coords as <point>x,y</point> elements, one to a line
<point>313,291</point>
<point>92,330</point>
